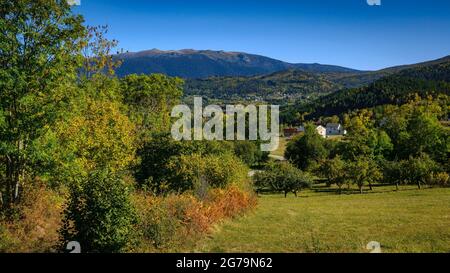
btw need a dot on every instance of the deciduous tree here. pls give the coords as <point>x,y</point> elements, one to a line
<point>40,46</point>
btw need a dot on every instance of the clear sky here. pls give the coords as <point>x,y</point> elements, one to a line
<point>342,32</point>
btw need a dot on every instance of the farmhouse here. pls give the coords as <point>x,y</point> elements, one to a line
<point>335,129</point>
<point>293,131</point>
<point>290,132</point>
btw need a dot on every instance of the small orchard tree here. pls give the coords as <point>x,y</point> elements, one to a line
<point>374,173</point>
<point>418,169</point>
<point>357,172</point>
<point>283,177</point>
<point>363,170</point>
<point>441,179</point>
<point>394,173</point>
<point>334,171</point>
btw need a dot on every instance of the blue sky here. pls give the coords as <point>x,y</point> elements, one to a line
<point>343,32</point>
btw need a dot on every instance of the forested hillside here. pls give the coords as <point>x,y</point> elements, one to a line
<point>394,89</point>
<point>304,85</point>
<point>289,84</point>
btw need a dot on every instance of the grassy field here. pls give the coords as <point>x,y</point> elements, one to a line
<point>319,221</point>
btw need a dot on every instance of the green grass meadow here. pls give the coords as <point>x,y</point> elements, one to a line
<point>408,220</point>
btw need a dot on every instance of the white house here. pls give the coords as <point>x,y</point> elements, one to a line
<point>321,131</point>
<point>335,129</point>
<point>290,132</point>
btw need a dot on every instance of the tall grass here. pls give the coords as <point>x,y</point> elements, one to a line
<point>34,223</point>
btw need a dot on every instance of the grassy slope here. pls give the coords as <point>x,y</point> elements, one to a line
<point>406,221</point>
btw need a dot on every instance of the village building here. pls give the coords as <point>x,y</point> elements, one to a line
<point>290,132</point>
<point>335,129</point>
<point>331,129</point>
<point>293,131</point>
<point>321,131</point>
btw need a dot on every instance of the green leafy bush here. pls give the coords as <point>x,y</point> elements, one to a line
<point>441,179</point>
<point>249,152</point>
<point>99,214</point>
<point>168,165</point>
<point>192,172</point>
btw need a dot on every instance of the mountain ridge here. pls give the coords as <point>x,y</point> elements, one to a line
<point>191,63</point>
<point>291,85</point>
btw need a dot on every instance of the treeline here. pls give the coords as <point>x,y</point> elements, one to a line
<point>390,144</point>
<point>86,156</point>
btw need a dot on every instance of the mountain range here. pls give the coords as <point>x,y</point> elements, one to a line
<point>316,88</point>
<point>193,64</point>
<point>293,84</point>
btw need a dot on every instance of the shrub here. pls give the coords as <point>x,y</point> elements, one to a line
<point>155,225</point>
<point>99,214</point>
<point>169,223</point>
<point>190,212</point>
<point>225,170</point>
<point>197,172</point>
<point>161,151</point>
<point>229,202</point>
<point>440,179</point>
<point>249,152</point>
<point>186,172</point>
